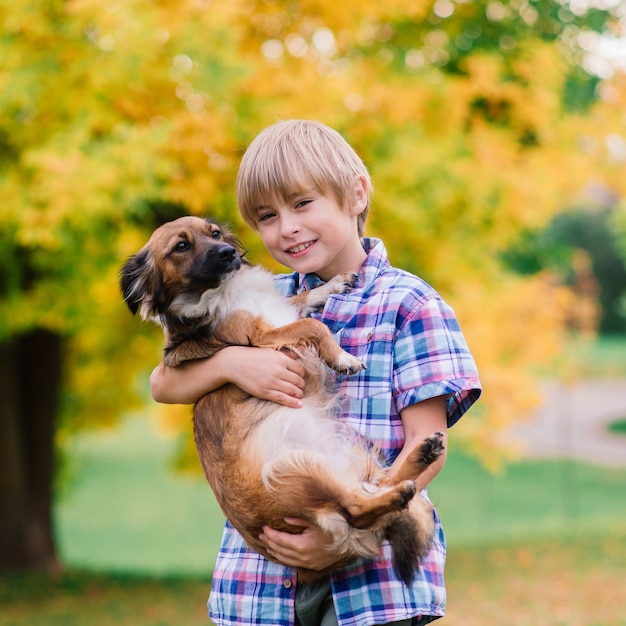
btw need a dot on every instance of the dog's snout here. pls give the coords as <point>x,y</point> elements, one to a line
<point>221,259</point>
<point>226,252</point>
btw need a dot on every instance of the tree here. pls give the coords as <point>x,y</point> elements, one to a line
<point>99,130</point>
<point>577,231</point>
<point>119,116</point>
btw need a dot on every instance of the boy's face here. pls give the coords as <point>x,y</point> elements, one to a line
<point>311,233</point>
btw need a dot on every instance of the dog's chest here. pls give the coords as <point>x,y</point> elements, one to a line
<point>254,291</point>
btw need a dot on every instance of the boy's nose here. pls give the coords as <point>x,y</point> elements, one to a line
<point>289,227</point>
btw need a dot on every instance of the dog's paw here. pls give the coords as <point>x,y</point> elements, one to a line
<point>348,364</point>
<point>431,449</point>
<point>404,493</point>
<point>316,298</point>
<point>342,283</point>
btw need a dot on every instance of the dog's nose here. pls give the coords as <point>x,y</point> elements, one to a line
<point>226,253</point>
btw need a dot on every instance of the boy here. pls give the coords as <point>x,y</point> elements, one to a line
<point>306,192</point>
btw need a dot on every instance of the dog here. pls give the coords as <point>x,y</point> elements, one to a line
<point>266,462</point>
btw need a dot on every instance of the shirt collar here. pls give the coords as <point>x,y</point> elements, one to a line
<point>375,263</point>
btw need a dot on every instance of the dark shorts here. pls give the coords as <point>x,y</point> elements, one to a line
<point>314,607</point>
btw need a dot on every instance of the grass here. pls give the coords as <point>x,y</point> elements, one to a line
<point>577,581</point>
<point>574,581</point>
<point>541,544</point>
<point>85,598</point>
<point>127,512</point>
<point>530,500</point>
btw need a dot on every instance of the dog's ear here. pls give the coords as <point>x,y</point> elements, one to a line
<point>139,282</point>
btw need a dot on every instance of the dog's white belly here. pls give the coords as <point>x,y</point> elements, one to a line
<point>307,429</point>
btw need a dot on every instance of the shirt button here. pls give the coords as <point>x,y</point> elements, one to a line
<point>287,584</point>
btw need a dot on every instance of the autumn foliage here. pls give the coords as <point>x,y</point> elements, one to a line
<point>118,115</point>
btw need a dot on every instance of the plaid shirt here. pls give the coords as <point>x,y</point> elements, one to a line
<point>413,347</point>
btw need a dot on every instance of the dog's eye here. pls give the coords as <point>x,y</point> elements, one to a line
<point>216,234</point>
<point>181,246</point>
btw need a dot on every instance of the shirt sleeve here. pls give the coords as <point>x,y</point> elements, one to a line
<point>432,358</point>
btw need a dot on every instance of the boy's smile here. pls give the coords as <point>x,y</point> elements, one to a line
<point>297,250</point>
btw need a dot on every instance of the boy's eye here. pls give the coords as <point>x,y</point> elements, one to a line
<point>263,217</point>
<point>302,203</point>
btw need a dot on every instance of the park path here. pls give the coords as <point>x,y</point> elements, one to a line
<point>572,423</point>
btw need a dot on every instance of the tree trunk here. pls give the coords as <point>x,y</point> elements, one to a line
<point>30,382</point>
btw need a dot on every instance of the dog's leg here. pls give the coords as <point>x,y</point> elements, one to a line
<point>421,457</point>
<point>314,300</point>
<point>308,332</point>
<point>362,512</point>
<point>305,482</point>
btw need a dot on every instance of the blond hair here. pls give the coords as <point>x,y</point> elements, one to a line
<point>289,158</point>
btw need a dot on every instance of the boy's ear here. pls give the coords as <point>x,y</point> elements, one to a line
<point>361,195</point>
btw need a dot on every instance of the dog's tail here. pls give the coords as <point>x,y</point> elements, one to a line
<point>407,545</point>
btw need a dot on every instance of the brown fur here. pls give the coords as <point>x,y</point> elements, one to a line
<point>266,462</point>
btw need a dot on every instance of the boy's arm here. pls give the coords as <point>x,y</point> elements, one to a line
<point>419,421</point>
<point>262,372</point>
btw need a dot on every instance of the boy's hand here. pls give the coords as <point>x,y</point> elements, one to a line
<point>261,372</point>
<point>265,373</point>
<point>304,550</point>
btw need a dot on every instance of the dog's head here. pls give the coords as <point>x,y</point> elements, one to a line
<point>181,261</point>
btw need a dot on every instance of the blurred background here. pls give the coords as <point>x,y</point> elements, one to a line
<point>495,133</point>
